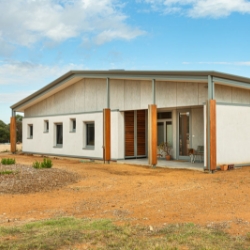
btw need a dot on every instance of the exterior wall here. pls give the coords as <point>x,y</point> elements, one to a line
<point>73,142</point>
<point>84,96</point>
<point>89,95</point>
<point>233,137</point>
<point>174,122</point>
<point>231,94</point>
<point>197,128</point>
<point>130,95</point>
<point>205,134</point>
<point>171,94</point>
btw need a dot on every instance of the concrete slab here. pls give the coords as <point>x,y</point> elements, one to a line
<point>176,164</point>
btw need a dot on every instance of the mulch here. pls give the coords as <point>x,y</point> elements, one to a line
<point>26,179</point>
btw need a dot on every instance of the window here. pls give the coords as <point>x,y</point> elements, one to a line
<point>30,131</point>
<point>72,125</point>
<point>90,134</point>
<point>59,135</point>
<point>164,115</point>
<point>46,126</point>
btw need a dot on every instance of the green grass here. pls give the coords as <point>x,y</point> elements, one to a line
<point>8,161</point>
<point>47,163</point>
<point>7,172</point>
<point>64,233</point>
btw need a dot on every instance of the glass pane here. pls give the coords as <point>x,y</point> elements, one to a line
<point>160,133</point>
<point>164,115</point>
<point>169,133</point>
<point>59,134</point>
<point>184,133</point>
<point>90,134</point>
<point>31,130</point>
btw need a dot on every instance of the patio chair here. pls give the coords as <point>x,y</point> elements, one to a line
<point>199,152</point>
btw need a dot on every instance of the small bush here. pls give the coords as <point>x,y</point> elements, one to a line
<point>8,161</point>
<point>36,164</point>
<point>47,163</point>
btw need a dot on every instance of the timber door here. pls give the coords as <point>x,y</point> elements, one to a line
<point>135,134</point>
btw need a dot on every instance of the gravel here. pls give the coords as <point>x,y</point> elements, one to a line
<point>26,179</point>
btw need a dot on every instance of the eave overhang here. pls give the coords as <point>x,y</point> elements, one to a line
<point>175,76</point>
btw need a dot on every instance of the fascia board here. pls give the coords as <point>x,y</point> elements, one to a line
<point>231,83</point>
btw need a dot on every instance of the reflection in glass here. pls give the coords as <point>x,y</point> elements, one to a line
<point>183,133</point>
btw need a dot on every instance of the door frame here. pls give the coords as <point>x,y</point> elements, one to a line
<point>178,111</point>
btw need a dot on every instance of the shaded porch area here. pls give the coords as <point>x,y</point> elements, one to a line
<point>175,164</point>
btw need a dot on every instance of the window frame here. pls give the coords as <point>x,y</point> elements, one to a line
<point>46,126</point>
<point>72,125</point>
<point>86,135</point>
<point>30,131</point>
<point>58,145</point>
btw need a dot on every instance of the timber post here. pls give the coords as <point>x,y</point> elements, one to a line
<point>152,135</point>
<point>13,133</point>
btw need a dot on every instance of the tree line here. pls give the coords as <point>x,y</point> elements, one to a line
<point>5,130</point>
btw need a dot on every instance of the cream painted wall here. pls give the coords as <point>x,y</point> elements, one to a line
<point>74,143</point>
<point>233,137</point>
<point>205,133</point>
<point>197,127</point>
<point>174,122</point>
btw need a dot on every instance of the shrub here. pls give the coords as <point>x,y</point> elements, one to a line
<point>47,163</point>
<point>8,161</point>
<point>36,164</point>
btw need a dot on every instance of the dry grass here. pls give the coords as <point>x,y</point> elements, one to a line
<point>72,233</point>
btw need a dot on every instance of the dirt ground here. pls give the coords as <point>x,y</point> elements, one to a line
<point>138,195</point>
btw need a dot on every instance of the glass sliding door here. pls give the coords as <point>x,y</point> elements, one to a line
<point>160,133</point>
<point>184,119</point>
<point>165,128</point>
<point>169,133</point>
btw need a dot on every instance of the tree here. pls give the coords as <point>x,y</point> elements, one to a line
<point>4,132</point>
<point>19,128</point>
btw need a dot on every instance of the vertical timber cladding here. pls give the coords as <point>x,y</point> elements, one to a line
<point>106,135</point>
<point>13,134</point>
<point>141,132</point>
<point>129,134</point>
<point>135,133</point>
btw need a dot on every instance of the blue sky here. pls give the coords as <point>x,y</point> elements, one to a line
<point>42,39</point>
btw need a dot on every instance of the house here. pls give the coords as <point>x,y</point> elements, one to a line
<point>118,114</point>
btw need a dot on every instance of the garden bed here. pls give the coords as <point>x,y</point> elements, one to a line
<point>26,179</point>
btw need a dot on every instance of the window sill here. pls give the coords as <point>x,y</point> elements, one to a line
<point>73,131</point>
<point>45,132</point>
<point>30,138</point>
<point>89,148</point>
<point>58,146</point>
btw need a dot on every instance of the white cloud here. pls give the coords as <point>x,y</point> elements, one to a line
<point>20,79</point>
<point>25,22</point>
<point>200,8</point>
<point>11,98</point>
<point>26,73</point>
